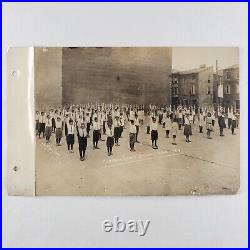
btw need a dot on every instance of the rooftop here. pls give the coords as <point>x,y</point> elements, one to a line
<point>235,66</point>
<point>192,71</point>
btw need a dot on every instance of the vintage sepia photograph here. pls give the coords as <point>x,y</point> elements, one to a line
<point>151,121</point>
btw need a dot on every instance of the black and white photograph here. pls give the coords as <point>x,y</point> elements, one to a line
<point>151,121</point>
<point>125,124</point>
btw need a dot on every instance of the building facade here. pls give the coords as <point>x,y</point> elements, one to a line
<point>218,88</point>
<point>231,90</point>
<point>47,77</point>
<point>193,87</point>
<point>132,75</point>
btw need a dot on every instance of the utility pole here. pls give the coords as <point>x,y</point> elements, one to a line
<point>217,82</point>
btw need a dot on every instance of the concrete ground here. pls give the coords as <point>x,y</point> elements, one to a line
<point>201,167</point>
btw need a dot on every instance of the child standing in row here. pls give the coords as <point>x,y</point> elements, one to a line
<point>201,122</point>
<point>148,123</point>
<point>174,130</point>
<point>59,127</point>
<point>70,135</point>
<point>42,119</point>
<point>82,140</point>
<point>154,133</point>
<point>132,135</point>
<point>117,130</point>
<point>209,125</point>
<point>110,138</point>
<point>233,124</point>
<point>48,128</point>
<point>96,133</point>
<point>137,125</point>
<point>167,125</point>
<point>187,128</point>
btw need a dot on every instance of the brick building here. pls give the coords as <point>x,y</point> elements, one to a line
<point>193,87</point>
<point>231,92</point>
<point>121,75</point>
<point>218,88</point>
<point>134,75</point>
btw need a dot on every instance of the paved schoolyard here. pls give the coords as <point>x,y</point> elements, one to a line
<point>200,167</point>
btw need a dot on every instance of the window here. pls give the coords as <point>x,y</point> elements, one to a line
<point>208,79</point>
<point>175,91</point>
<point>228,75</point>
<point>193,77</point>
<point>237,75</point>
<point>183,79</point>
<point>209,90</point>
<point>237,104</point>
<point>228,89</point>
<point>184,90</point>
<point>176,80</point>
<point>237,89</point>
<point>193,90</point>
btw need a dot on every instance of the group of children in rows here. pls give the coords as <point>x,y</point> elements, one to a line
<point>110,120</point>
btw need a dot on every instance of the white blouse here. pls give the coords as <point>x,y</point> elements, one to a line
<point>82,132</point>
<point>154,126</point>
<point>116,124</point>
<point>132,129</point>
<point>58,124</point>
<point>137,122</point>
<point>110,132</point>
<point>96,126</point>
<point>71,129</point>
<point>187,121</point>
<point>48,122</point>
<point>42,118</point>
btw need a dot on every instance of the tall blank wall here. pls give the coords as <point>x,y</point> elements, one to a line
<point>120,75</point>
<point>48,77</point>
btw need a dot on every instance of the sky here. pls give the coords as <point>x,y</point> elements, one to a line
<point>184,58</point>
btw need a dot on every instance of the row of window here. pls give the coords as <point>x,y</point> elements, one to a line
<point>209,90</point>
<point>228,77</point>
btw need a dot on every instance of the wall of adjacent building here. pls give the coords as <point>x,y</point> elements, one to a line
<point>120,75</point>
<point>206,99</point>
<point>47,77</point>
<point>233,82</point>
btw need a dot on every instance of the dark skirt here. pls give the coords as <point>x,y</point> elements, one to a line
<point>132,137</point>
<point>96,135</point>
<point>121,131</point>
<point>48,131</point>
<point>233,124</point>
<point>154,135</point>
<point>37,125</point>
<point>59,134</point>
<point>66,129</point>
<point>70,139</point>
<point>209,126</point>
<point>117,132</point>
<point>82,141</point>
<point>41,127</point>
<point>187,130</point>
<point>110,141</point>
<point>88,127</point>
<point>53,122</point>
